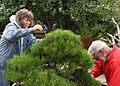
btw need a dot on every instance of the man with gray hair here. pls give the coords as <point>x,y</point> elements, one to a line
<point>107,62</point>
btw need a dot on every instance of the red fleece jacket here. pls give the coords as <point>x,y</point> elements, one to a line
<point>110,68</point>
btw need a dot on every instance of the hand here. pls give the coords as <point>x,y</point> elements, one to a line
<point>37,27</point>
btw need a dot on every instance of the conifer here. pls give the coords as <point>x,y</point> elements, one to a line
<point>57,60</point>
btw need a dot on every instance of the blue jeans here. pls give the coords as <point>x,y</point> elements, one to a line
<point>3,81</point>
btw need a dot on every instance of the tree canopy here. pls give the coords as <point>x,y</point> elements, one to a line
<point>84,17</point>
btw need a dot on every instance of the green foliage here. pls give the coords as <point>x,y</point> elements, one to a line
<point>21,67</point>
<point>84,79</point>
<point>46,78</point>
<point>58,60</point>
<point>95,16</point>
<point>84,17</point>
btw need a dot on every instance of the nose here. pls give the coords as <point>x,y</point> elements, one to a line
<point>28,22</point>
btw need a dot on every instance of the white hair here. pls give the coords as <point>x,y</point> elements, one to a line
<point>12,18</point>
<point>97,45</point>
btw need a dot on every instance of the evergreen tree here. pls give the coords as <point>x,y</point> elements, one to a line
<point>58,60</point>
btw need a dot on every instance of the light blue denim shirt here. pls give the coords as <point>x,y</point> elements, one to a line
<point>10,43</point>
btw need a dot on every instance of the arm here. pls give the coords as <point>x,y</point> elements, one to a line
<point>31,40</point>
<point>12,33</point>
<point>97,69</point>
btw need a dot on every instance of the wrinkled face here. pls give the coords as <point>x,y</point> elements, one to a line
<point>25,22</point>
<point>100,55</point>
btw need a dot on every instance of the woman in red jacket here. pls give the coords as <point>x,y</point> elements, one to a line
<point>107,62</point>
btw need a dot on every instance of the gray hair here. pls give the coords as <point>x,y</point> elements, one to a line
<point>96,46</point>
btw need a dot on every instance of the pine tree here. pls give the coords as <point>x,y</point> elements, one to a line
<point>58,60</point>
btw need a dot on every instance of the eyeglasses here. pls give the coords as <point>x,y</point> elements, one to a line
<point>99,56</point>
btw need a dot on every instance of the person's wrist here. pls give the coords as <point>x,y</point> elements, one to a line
<point>34,28</point>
